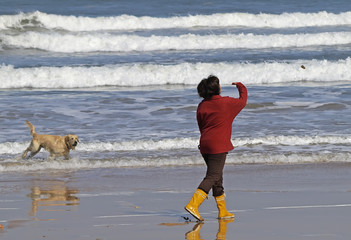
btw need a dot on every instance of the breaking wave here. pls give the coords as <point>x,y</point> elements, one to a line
<point>189,143</point>
<point>181,74</point>
<point>128,22</point>
<point>74,164</point>
<point>88,155</point>
<point>105,42</point>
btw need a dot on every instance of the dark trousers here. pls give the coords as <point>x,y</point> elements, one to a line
<point>214,174</point>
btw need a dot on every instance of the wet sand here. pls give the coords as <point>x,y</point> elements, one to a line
<point>306,201</point>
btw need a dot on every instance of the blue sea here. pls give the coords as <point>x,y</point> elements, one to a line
<point>122,75</point>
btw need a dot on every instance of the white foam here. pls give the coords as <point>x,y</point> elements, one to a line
<point>104,42</point>
<point>189,143</point>
<point>12,147</point>
<point>294,140</point>
<point>146,145</point>
<point>184,74</point>
<point>78,164</point>
<point>124,159</point>
<point>293,158</point>
<point>128,22</point>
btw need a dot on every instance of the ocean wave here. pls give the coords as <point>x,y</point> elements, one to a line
<point>183,74</point>
<point>128,22</point>
<point>192,143</point>
<point>78,164</point>
<point>104,42</point>
<point>150,145</point>
<point>189,143</point>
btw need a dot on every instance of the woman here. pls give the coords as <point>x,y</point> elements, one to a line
<point>215,116</point>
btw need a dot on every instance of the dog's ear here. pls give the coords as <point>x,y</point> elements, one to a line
<point>67,141</point>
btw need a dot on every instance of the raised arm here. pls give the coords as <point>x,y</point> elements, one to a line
<point>242,92</point>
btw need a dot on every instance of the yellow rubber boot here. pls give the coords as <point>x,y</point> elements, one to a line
<point>193,206</point>
<point>195,233</point>
<point>222,209</point>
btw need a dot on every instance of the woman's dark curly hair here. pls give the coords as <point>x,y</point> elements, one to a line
<point>208,87</point>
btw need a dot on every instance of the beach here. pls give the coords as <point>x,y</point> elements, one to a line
<point>304,201</point>
<point>122,76</point>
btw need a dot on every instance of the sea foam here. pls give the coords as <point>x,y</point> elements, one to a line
<point>105,42</point>
<point>183,74</point>
<point>129,22</point>
<point>93,153</point>
<point>189,143</point>
<point>78,164</point>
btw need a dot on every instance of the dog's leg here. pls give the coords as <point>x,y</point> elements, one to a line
<point>32,154</point>
<point>25,153</point>
<point>30,148</point>
<point>52,156</point>
<point>34,148</point>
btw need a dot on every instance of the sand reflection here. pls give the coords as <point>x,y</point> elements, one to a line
<point>53,198</point>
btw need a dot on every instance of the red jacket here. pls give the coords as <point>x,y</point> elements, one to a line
<point>215,117</point>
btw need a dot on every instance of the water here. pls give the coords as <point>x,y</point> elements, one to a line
<point>122,75</point>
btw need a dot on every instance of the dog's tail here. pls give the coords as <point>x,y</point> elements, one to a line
<point>31,127</point>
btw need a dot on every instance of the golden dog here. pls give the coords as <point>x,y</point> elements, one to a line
<point>57,146</point>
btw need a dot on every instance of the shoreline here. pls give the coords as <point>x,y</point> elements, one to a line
<point>269,201</point>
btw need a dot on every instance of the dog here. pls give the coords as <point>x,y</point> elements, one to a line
<point>57,146</point>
